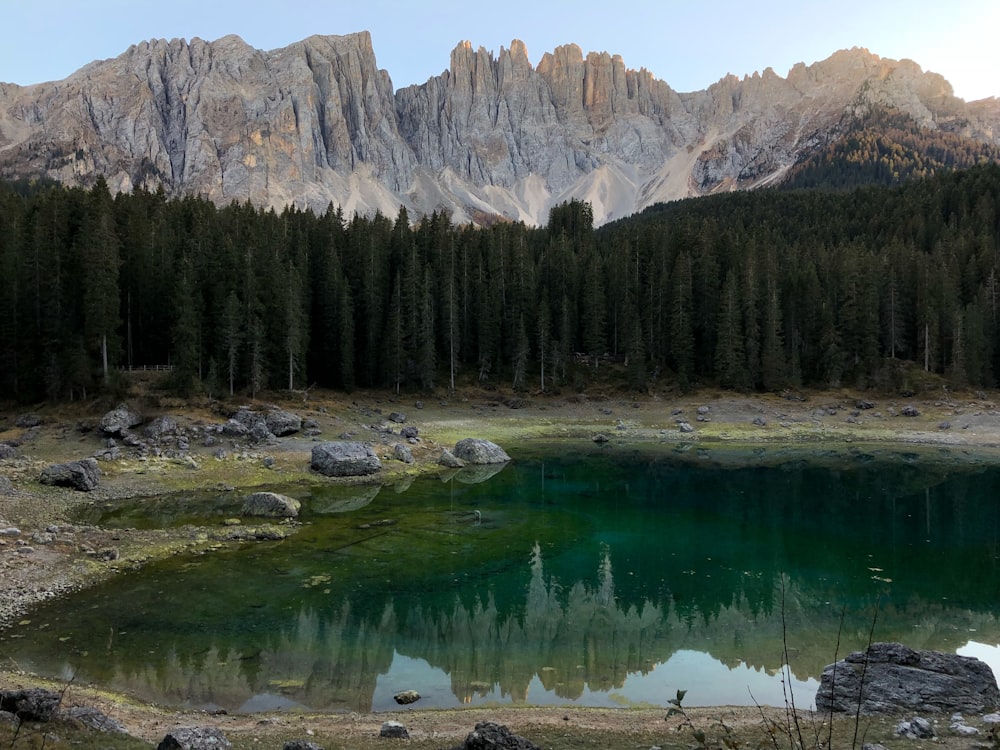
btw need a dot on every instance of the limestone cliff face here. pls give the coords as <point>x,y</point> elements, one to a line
<point>317,123</point>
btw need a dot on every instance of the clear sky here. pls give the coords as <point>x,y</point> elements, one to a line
<point>689,44</point>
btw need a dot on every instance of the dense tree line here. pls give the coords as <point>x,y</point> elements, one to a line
<point>750,291</point>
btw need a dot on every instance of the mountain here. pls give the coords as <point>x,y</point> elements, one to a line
<point>318,122</point>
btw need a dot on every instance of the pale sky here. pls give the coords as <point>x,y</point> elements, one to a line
<point>689,44</point>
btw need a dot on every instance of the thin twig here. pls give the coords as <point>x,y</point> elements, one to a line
<point>864,670</point>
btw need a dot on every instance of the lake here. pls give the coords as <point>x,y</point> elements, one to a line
<point>598,578</point>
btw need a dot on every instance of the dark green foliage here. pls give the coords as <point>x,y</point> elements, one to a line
<point>892,288</point>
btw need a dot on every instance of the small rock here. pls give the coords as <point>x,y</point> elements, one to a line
<point>910,411</point>
<point>703,410</point>
<point>685,427</point>
<point>409,432</point>
<point>394,730</point>
<point>397,417</point>
<point>449,460</point>
<point>944,426</point>
<point>194,738</point>
<point>600,438</point>
<point>401,453</point>
<point>301,745</point>
<point>759,422</point>
<point>406,697</point>
<point>10,531</point>
<point>991,719</point>
<point>26,421</point>
<point>916,729</point>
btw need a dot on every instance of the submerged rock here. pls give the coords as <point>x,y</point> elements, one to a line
<point>271,505</point>
<point>479,451</point>
<point>898,678</point>
<point>406,697</point>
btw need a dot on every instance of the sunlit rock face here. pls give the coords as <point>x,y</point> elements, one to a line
<point>317,122</point>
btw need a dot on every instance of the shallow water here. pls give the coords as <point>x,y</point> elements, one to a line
<point>598,579</point>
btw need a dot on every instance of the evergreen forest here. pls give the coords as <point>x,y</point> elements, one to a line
<point>878,287</point>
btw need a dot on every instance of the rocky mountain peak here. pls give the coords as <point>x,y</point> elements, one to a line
<point>318,122</point>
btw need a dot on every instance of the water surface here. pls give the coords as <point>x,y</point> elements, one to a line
<point>595,579</point>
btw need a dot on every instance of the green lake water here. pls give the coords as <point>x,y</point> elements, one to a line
<point>596,579</point>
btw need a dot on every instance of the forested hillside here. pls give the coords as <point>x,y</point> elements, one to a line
<point>750,291</point>
<point>886,147</point>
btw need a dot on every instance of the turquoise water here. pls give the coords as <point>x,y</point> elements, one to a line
<point>597,579</point>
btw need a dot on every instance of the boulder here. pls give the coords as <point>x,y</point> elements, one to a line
<point>479,451</point>
<point>406,697</point>
<point>26,421</point>
<point>6,488</point>
<point>194,738</point>
<point>448,460</point>
<point>91,718</point>
<point>80,475</point>
<point>301,745</point>
<point>344,459</point>
<point>910,411</point>
<point>271,505</point>
<point>401,453</point>
<point>160,427</point>
<point>394,730</point>
<point>33,704</point>
<point>7,451</point>
<point>235,428</point>
<point>282,423</point>
<point>898,679</point>
<point>491,736</point>
<point>397,417</point>
<point>120,420</point>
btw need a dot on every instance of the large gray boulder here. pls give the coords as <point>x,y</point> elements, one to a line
<point>281,422</point>
<point>82,475</point>
<point>479,451</point>
<point>900,679</point>
<point>344,458</point>
<point>270,505</point>
<point>120,420</point>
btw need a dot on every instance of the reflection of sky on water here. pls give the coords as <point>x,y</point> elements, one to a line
<point>984,652</point>
<point>708,682</point>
